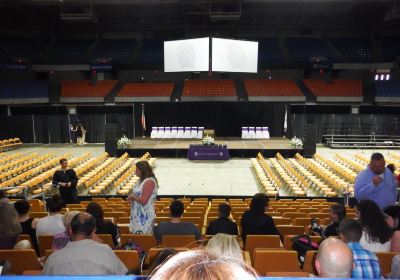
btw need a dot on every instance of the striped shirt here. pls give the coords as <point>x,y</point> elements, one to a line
<point>366,264</point>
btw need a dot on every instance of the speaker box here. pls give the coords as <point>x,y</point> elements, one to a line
<point>111,139</point>
<point>310,139</point>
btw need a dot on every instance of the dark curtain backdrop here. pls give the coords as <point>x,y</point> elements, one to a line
<point>17,126</point>
<point>94,125</point>
<point>227,118</point>
<point>124,124</point>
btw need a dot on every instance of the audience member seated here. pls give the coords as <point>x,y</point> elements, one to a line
<point>334,259</point>
<point>103,227</point>
<point>225,245</point>
<point>3,197</point>
<point>199,264</point>
<point>395,269</point>
<point>176,226</point>
<point>223,224</point>
<point>377,234</point>
<point>10,227</point>
<point>52,224</point>
<point>337,214</point>
<point>28,224</point>
<point>392,215</point>
<point>83,256</point>
<point>366,263</point>
<point>61,239</point>
<point>255,221</point>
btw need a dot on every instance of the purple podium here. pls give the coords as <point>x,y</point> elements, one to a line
<point>214,152</point>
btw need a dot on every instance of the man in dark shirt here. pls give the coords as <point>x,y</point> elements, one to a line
<point>66,180</point>
<point>223,224</point>
<point>175,226</point>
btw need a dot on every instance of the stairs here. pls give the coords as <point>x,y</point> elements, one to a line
<point>114,92</point>
<point>308,94</point>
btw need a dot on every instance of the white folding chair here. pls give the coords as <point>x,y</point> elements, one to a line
<point>258,133</point>
<point>193,133</point>
<point>188,131</point>
<point>167,132</point>
<point>245,132</point>
<point>252,132</point>
<point>154,132</point>
<point>180,133</point>
<point>200,132</point>
<point>160,132</point>
<point>174,132</point>
<point>265,132</point>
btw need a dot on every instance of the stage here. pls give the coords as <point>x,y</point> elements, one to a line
<point>178,148</point>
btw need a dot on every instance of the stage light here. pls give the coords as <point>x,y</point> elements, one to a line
<point>382,77</point>
<point>376,77</point>
<point>387,77</point>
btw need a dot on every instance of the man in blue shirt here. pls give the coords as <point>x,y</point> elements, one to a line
<point>376,183</point>
<point>365,263</point>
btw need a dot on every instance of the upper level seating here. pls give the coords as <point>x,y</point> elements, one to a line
<point>269,53</point>
<point>342,89</point>
<point>116,50</point>
<point>85,89</point>
<point>147,89</point>
<point>272,88</point>
<point>150,55</point>
<point>25,90</point>
<point>303,50</point>
<point>23,48</point>
<point>209,88</point>
<point>390,48</point>
<point>387,90</point>
<point>354,49</point>
<point>71,51</point>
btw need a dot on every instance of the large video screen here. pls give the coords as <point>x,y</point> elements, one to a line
<point>190,55</point>
<point>234,55</point>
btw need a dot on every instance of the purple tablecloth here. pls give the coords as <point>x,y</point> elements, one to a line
<point>208,153</point>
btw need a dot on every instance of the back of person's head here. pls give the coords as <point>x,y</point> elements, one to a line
<point>339,210</point>
<point>393,211</point>
<point>96,211</point>
<point>9,224</point>
<point>334,259</point>
<point>373,221</point>
<point>55,204</point>
<point>199,264</point>
<point>82,224</point>
<point>22,207</point>
<point>68,216</point>
<point>350,230</point>
<point>224,210</point>
<point>225,245</point>
<point>176,208</point>
<point>161,257</point>
<point>258,203</point>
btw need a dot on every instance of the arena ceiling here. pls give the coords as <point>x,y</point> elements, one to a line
<point>191,15</point>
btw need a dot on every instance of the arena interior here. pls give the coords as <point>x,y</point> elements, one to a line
<point>224,99</point>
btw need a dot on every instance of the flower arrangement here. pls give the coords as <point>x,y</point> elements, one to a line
<point>124,142</point>
<point>296,142</point>
<point>208,141</point>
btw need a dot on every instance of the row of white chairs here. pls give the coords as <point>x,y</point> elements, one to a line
<point>175,132</point>
<point>255,132</point>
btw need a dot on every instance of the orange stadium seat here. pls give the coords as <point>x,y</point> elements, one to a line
<point>275,261</point>
<point>178,240</point>
<point>209,88</point>
<point>261,241</point>
<point>21,260</point>
<point>147,89</point>
<point>86,89</point>
<point>272,88</point>
<point>335,88</point>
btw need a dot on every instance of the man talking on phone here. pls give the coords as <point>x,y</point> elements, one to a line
<point>376,183</point>
<point>66,180</point>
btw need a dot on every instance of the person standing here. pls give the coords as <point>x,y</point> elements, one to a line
<point>79,134</point>
<point>67,181</point>
<point>376,183</point>
<point>142,199</point>
<point>72,134</point>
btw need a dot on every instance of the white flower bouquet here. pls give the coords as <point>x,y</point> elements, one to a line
<point>208,141</point>
<point>124,142</point>
<point>296,142</point>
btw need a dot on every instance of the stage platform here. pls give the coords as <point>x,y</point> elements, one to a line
<point>237,147</point>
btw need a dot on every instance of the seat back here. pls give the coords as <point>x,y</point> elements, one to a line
<point>275,261</point>
<point>45,243</point>
<point>147,241</point>
<point>385,261</point>
<point>177,240</point>
<point>107,239</point>
<point>287,241</point>
<point>290,230</point>
<point>309,262</point>
<point>130,258</point>
<point>261,241</point>
<point>20,260</point>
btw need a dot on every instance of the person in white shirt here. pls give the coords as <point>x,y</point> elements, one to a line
<point>83,256</point>
<point>52,224</point>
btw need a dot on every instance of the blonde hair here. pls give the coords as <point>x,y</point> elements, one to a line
<point>202,265</point>
<point>9,224</point>
<point>225,245</point>
<point>68,216</point>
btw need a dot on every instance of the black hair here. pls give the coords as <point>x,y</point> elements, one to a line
<point>176,208</point>
<point>377,156</point>
<point>62,160</point>
<point>394,212</point>
<point>96,211</point>
<point>391,167</point>
<point>55,203</point>
<point>373,221</point>
<point>339,210</point>
<point>351,229</point>
<point>161,257</point>
<point>22,206</point>
<point>146,171</point>
<point>84,224</point>
<point>258,203</point>
<point>3,194</point>
<point>224,210</point>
